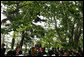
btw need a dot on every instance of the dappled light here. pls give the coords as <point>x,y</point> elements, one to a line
<point>41,28</point>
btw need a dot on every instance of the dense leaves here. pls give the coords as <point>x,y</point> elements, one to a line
<point>64,20</point>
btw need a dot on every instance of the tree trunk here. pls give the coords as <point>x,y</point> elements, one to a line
<point>76,38</point>
<point>13,41</point>
<point>71,34</point>
<point>2,39</point>
<point>21,42</point>
<point>16,12</point>
<point>57,30</point>
<point>3,35</point>
<point>12,45</point>
<point>25,48</point>
<point>77,34</point>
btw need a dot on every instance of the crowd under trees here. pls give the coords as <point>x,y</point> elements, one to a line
<point>63,23</point>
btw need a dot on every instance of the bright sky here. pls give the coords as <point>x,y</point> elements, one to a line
<point>2,16</point>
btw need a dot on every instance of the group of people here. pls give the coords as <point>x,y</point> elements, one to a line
<point>40,51</point>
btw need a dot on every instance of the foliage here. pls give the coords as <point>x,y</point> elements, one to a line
<point>65,17</point>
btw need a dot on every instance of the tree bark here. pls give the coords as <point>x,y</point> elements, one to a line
<point>21,42</point>
<point>13,41</point>
<point>2,39</point>
<point>58,31</point>
<point>17,12</point>
<point>76,38</point>
<point>71,34</point>
<point>12,45</point>
<point>25,48</point>
<point>77,35</point>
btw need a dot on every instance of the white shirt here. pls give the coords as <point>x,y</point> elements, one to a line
<point>53,55</point>
<point>20,55</point>
<point>45,55</point>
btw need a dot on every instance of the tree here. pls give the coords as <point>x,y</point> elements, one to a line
<point>17,22</point>
<point>64,20</point>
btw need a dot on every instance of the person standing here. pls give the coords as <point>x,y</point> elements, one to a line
<point>18,49</point>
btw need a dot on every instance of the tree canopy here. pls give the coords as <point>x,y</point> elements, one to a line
<point>63,23</point>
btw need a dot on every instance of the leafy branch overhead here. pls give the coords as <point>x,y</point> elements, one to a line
<point>63,21</point>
